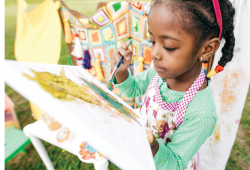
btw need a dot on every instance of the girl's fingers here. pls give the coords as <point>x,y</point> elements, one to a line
<point>117,55</point>
<point>130,53</point>
<point>149,131</point>
<point>114,58</point>
<point>124,45</point>
<point>150,139</point>
<point>150,136</point>
<point>123,52</point>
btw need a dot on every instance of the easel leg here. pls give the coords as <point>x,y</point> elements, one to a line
<point>101,165</point>
<point>42,152</point>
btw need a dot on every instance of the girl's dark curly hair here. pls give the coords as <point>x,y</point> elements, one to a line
<point>198,18</point>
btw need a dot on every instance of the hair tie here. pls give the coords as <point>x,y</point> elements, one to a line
<point>213,72</point>
<point>218,15</point>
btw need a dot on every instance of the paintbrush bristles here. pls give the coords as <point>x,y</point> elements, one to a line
<point>109,85</point>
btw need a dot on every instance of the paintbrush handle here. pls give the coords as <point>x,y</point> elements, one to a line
<point>118,64</point>
<point>116,68</point>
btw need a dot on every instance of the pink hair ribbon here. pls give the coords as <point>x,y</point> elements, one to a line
<point>218,15</point>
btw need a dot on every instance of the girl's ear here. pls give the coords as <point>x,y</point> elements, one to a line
<point>209,48</point>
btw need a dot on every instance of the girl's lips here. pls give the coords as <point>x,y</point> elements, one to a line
<point>157,69</point>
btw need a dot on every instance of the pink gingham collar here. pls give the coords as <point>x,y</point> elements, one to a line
<point>181,106</point>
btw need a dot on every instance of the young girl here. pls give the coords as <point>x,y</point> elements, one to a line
<point>178,106</point>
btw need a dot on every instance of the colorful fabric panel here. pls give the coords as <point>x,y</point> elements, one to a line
<point>147,8</point>
<point>117,9</point>
<point>109,49</point>
<point>66,14</point>
<point>145,33</point>
<point>146,52</point>
<point>101,17</point>
<point>83,35</point>
<point>108,34</point>
<point>95,37</point>
<point>136,24</point>
<point>99,51</point>
<point>136,52</point>
<point>138,7</point>
<point>122,27</point>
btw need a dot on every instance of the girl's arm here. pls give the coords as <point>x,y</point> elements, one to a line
<point>185,142</point>
<point>136,85</point>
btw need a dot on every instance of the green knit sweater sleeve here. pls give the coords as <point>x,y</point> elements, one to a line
<point>136,85</point>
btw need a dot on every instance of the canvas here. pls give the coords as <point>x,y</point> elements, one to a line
<point>123,139</point>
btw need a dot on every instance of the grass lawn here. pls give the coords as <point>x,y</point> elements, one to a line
<point>239,158</point>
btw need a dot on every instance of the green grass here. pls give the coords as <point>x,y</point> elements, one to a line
<point>239,158</point>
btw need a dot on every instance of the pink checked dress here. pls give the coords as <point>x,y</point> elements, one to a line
<point>164,118</point>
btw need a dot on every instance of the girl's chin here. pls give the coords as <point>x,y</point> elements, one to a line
<point>165,76</point>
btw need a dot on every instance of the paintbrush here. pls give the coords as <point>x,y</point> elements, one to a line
<point>109,83</point>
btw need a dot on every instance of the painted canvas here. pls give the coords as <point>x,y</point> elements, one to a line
<point>80,102</point>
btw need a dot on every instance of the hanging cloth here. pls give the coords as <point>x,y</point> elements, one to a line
<point>38,36</point>
<point>38,33</point>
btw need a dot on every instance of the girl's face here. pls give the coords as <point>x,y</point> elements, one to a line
<point>172,48</point>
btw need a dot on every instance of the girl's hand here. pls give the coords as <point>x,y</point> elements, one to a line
<point>150,137</point>
<point>152,141</point>
<point>127,54</point>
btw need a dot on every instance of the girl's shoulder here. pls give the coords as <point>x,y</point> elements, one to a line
<point>202,104</point>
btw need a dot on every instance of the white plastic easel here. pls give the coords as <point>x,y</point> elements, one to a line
<point>39,130</point>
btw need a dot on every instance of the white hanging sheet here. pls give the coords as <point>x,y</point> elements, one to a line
<point>229,90</point>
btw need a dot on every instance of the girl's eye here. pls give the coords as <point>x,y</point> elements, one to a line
<point>153,42</point>
<point>170,49</point>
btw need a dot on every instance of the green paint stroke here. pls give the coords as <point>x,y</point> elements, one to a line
<point>111,100</point>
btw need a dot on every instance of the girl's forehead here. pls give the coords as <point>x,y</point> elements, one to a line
<point>164,22</point>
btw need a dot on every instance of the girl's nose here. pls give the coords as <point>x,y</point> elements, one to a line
<point>155,53</point>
